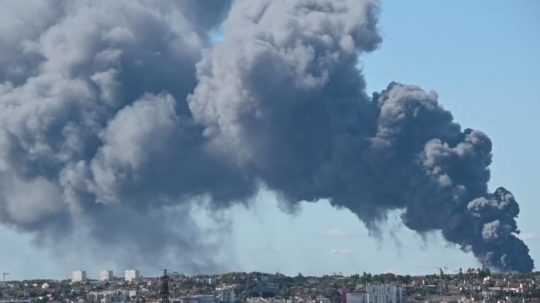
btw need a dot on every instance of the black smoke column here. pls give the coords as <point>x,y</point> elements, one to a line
<point>282,96</point>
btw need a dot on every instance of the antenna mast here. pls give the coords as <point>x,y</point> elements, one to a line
<point>164,292</point>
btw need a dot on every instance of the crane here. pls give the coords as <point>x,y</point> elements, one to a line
<point>442,270</point>
<point>4,275</point>
<point>442,283</point>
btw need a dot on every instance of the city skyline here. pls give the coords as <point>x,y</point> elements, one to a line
<point>480,59</point>
<point>466,287</point>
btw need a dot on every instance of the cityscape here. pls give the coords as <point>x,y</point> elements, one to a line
<point>470,285</point>
<point>269,151</point>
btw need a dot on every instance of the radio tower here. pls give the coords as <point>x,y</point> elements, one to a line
<point>164,292</point>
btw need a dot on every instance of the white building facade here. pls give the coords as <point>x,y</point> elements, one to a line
<point>385,293</point>
<point>226,294</point>
<point>378,293</point>
<point>106,275</point>
<point>78,276</point>
<point>132,275</point>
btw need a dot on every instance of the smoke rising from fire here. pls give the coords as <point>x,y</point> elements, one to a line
<point>117,113</point>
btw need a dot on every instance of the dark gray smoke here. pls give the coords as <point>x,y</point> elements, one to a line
<point>119,117</point>
<point>282,96</point>
<point>95,132</point>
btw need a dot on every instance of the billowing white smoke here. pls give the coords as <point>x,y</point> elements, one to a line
<point>122,111</point>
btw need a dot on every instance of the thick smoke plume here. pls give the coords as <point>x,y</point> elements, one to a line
<point>118,117</point>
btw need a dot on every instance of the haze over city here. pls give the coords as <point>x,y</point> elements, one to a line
<point>290,136</point>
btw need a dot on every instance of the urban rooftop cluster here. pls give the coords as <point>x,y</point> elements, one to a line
<point>471,285</point>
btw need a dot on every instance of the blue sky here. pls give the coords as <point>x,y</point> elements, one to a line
<point>482,59</point>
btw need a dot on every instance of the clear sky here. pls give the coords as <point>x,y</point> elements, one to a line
<point>482,57</point>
